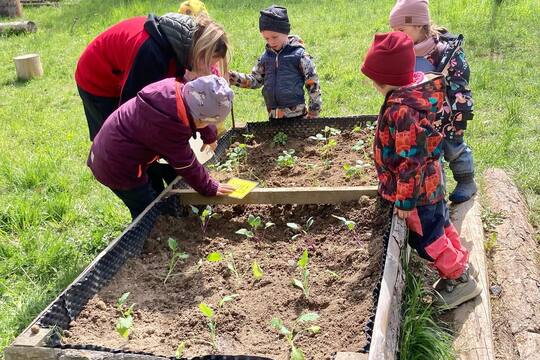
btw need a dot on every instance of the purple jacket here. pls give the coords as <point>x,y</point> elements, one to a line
<point>155,124</point>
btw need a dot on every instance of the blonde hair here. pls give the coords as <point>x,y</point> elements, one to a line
<point>434,30</point>
<point>209,40</point>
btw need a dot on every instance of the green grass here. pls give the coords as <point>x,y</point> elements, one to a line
<point>422,337</point>
<point>54,217</point>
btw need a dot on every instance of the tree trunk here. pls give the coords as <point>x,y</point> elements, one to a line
<point>10,8</point>
<point>18,27</point>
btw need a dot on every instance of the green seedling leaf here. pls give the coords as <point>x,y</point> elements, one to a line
<point>307,317</point>
<point>303,261</point>
<point>297,354</point>
<point>318,137</point>
<point>122,300</point>
<point>182,255</point>
<point>194,209</point>
<point>173,245</point>
<point>357,129</point>
<point>268,224</point>
<point>180,350</point>
<point>359,145</point>
<point>246,233</point>
<point>254,222</point>
<point>294,237</point>
<point>256,271</point>
<point>279,326</point>
<point>314,329</point>
<point>298,284</point>
<point>227,299</point>
<point>309,222</point>
<point>334,274</point>
<point>214,257</point>
<point>206,310</point>
<point>294,226</point>
<point>124,325</point>
<point>349,223</point>
<point>231,267</point>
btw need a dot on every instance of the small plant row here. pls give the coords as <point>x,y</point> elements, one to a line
<point>237,155</point>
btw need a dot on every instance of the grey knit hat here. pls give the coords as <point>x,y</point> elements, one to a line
<point>275,18</point>
<point>208,98</point>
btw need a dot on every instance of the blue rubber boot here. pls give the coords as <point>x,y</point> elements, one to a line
<point>465,189</point>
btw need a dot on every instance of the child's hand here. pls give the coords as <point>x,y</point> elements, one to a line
<point>224,189</point>
<point>402,214</point>
<point>211,146</point>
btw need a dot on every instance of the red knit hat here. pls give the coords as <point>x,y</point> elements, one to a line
<point>390,59</point>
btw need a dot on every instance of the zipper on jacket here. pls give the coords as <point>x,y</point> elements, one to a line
<point>276,73</point>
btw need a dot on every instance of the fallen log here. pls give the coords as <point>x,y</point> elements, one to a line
<point>515,271</point>
<point>17,27</point>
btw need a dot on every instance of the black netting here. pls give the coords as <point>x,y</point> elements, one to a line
<point>71,302</point>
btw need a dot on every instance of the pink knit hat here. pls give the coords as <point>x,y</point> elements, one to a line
<point>410,12</point>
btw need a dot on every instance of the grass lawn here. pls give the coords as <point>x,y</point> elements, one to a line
<point>54,217</point>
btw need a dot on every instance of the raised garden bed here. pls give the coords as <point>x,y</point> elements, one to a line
<point>346,271</point>
<point>344,267</point>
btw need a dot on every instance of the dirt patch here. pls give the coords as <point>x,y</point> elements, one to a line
<point>316,163</point>
<point>344,268</point>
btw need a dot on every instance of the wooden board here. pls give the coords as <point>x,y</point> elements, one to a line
<point>292,195</point>
<point>472,320</point>
<point>385,338</point>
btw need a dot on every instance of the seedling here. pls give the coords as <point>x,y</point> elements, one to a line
<point>357,129</point>
<point>280,139</point>
<point>348,223</point>
<point>248,138</point>
<point>204,216</point>
<point>359,146</point>
<point>351,225</point>
<point>175,257</point>
<point>229,260</point>
<point>299,327</point>
<point>302,264</point>
<point>352,171</point>
<point>334,275</point>
<point>235,156</point>
<point>125,321</point>
<point>329,147</point>
<point>255,223</point>
<point>256,271</point>
<point>299,230</point>
<point>287,159</point>
<point>211,317</point>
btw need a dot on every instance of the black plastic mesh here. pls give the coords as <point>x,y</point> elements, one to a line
<point>70,303</point>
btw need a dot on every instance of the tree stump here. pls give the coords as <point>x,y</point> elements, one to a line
<point>28,66</point>
<point>10,8</point>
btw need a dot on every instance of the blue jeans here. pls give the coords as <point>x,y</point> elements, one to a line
<point>459,156</point>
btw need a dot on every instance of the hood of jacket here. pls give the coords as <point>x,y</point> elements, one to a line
<point>174,32</point>
<point>426,94</point>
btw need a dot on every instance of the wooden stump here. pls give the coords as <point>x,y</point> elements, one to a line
<point>10,8</point>
<point>28,66</point>
<point>18,27</point>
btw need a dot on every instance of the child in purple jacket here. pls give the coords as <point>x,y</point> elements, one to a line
<point>158,123</point>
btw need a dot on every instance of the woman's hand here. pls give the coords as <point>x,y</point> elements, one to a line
<point>224,189</point>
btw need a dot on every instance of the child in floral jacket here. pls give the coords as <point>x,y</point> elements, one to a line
<point>439,51</point>
<point>283,70</point>
<point>407,150</point>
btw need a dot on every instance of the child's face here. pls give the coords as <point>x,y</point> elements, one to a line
<point>415,32</point>
<point>274,39</point>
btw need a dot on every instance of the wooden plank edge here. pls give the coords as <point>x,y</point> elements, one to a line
<point>291,195</point>
<point>385,337</point>
<point>474,338</point>
<point>98,257</point>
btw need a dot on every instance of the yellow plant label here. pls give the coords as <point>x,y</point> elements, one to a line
<point>243,187</point>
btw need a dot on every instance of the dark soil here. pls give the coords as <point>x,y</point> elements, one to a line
<point>313,166</point>
<point>167,314</point>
